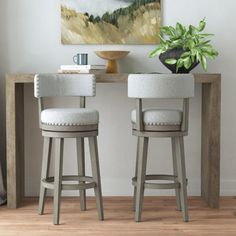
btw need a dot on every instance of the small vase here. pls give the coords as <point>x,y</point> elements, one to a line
<point>176,54</point>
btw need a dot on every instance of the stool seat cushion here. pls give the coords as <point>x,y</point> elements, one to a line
<point>159,117</point>
<point>69,116</point>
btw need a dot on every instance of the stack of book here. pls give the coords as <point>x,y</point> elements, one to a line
<point>82,69</point>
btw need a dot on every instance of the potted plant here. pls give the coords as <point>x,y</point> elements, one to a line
<point>183,48</point>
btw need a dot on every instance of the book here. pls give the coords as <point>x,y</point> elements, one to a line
<point>74,71</point>
<point>82,67</point>
<point>92,71</point>
<point>75,67</point>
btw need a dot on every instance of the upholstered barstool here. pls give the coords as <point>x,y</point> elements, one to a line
<point>155,123</point>
<point>61,123</point>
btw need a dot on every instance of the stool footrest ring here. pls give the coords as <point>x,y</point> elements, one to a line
<point>87,182</point>
<point>173,185</point>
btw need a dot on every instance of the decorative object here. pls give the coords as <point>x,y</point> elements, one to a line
<point>183,48</point>
<point>74,69</point>
<point>110,21</point>
<point>82,69</point>
<point>111,57</point>
<point>81,59</point>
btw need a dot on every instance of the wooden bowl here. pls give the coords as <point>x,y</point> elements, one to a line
<point>111,57</point>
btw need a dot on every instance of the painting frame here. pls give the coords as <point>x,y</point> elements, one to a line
<point>152,39</point>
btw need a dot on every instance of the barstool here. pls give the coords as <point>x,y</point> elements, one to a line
<point>155,123</point>
<point>61,123</point>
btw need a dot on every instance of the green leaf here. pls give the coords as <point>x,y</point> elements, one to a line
<point>185,58</point>
<point>156,52</point>
<point>187,62</point>
<point>209,51</point>
<point>204,43</point>
<point>202,25</point>
<point>162,39</point>
<point>171,61</point>
<point>191,39</point>
<point>198,56</point>
<point>193,58</point>
<point>166,30</point>
<point>179,64</point>
<point>203,62</point>
<point>214,52</point>
<point>192,30</point>
<point>172,30</point>
<point>176,43</point>
<point>190,44</point>
<point>169,31</point>
<point>179,29</point>
<point>185,54</point>
<point>205,35</point>
<point>193,52</point>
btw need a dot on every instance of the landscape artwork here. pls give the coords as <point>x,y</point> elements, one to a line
<point>110,21</point>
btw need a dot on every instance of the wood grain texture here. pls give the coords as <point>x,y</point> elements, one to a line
<point>175,171</point>
<point>111,78</point>
<point>47,148</point>
<point>141,173</point>
<point>11,142</point>
<point>15,142</point>
<point>159,218</point>
<point>58,169</point>
<point>81,170</point>
<point>93,149</point>
<point>210,164</point>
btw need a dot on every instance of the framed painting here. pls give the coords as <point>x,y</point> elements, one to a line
<point>110,21</point>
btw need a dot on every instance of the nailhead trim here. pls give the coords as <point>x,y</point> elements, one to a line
<point>37,86</point>
<point>161,123</point>
<point>68,124</point>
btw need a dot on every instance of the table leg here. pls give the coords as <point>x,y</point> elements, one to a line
<point>210,160</point>
<point>15,142</point>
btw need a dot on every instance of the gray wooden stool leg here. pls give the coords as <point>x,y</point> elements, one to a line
<point>96,175</point>
<point>47,146</point>
<point>179,144</point>
<point>58,179</point>
<point>136,170</point>
<point>177,191</point>
<point>81,170</point>
<point>141,172</point>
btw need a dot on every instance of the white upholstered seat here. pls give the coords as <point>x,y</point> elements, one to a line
<point>59,85</point>
<point>155,123</point>
<point>62,123</point>
<point>159,117</point>
<point>69,116</point>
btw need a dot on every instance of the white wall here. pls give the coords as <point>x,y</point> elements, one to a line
<point>30,42</point>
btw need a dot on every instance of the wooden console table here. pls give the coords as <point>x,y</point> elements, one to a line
<point>210,154</point>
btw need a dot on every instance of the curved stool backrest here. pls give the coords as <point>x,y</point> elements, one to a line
<point>160,86</point>
<point>56,85</point>
<point>64,85</point>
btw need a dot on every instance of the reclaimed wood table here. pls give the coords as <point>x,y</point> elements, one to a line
<point>210,144</point>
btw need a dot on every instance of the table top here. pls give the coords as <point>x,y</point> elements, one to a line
<point>110,78</point>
